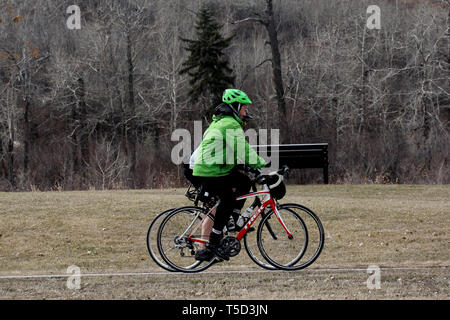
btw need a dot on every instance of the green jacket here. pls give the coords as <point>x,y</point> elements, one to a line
<point>222,147</point>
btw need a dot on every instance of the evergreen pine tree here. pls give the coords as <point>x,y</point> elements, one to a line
<point>206,65</point>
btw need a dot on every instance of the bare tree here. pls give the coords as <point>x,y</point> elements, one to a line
<point>96,106</point>
<point>267,19</point>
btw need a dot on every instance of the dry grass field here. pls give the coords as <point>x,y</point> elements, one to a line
<point>403,229</point>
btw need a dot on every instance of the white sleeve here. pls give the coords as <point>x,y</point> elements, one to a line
<point>192,158</point>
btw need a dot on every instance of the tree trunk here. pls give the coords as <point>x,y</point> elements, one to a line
<point>2,161</point>
<point>268,21</point>
<point>10,156</point>
<point>132,130</point>
<point>84,135</point>
<point>277,72</point>
<point>26,142</point>
<point>74,121</point>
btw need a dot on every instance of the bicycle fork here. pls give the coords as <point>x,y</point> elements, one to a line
<point>280,219</point>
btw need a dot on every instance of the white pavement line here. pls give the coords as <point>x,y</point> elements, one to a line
<point>125,274</point>
<point>132,274</point>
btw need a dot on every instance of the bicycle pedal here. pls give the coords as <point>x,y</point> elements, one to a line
<point>218,252</point>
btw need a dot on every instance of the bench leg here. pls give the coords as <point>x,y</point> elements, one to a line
<point>325,175</point>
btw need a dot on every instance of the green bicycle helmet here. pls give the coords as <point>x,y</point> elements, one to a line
<point>235,98</point>
<point>234,95</point>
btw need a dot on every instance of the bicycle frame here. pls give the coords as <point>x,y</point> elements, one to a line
<point>268,201</point>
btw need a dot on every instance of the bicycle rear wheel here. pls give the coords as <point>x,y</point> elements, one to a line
<point>173,239</point>
<point>274,243</point>
<point>251,247</point>
<point>152,235</point>
<point>316,237</point>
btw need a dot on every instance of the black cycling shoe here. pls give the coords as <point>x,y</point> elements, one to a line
<point>204,255</point>
<point>218,251</point>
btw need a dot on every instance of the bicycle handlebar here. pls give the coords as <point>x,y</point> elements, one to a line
<point>259,176</point>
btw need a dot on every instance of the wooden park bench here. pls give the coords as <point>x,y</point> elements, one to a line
<point>299,156</point>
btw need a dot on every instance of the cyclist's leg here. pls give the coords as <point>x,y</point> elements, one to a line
<point>207,223</point>
<point>222,187</point>
<point>207,226</point>
<point>196,181</point>
<point>242,185</point>
<point>204,254</point>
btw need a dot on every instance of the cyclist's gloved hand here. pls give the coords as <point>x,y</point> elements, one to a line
<point>247,168</point>
<point>256,172</point>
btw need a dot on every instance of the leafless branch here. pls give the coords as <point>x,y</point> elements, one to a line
<point>252,69</point>
<point>258,20</point>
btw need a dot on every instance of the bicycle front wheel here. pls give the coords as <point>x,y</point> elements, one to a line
<point>316,237</point>
<point>174,239</point>
<point>251,246</point>
<point>282,249</point>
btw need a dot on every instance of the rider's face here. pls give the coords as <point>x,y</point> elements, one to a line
<point>242,111</point>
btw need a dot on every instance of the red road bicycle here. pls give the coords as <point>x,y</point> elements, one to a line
<point>293,242</point>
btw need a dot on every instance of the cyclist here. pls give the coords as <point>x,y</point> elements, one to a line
<point>223,143</point>
<point>242,186</point>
